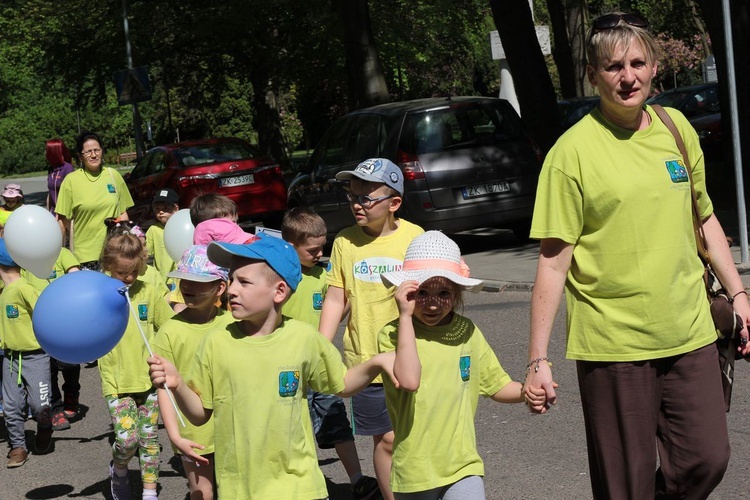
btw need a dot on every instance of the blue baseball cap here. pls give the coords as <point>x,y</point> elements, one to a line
<point>5,258</point>
<point>277,253</point>
<point>378,170</point>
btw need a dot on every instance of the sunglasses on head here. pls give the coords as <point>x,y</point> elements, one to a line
<point>610,21</point>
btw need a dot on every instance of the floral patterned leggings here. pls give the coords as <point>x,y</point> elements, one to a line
<point>135,418</point>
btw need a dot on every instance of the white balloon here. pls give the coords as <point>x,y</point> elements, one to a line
<point>33,239</point>
<point>178,234</point>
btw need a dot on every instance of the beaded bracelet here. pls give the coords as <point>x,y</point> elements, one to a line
<point>536,362</point>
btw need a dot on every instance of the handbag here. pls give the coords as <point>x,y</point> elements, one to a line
<point>728,323</point>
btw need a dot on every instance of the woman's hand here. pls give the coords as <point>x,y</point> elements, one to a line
<point>539,388</point>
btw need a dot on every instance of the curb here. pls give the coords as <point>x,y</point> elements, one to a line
<point>506,286</point>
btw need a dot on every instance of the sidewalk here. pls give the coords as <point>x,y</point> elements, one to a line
<point>513,267</point>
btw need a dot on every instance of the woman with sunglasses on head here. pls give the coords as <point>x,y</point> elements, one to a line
<point>87,197</point>
<point>614,216</point>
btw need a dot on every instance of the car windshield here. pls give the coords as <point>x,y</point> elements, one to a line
<point>460,127</point>
<point>204,154</point>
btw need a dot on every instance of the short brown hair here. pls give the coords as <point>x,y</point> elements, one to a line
<point>211,206</point>
<point>122,246</point>
<point>301,223</point>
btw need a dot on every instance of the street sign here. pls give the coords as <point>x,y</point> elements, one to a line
<point>132,85</point>
<point>709,69</point>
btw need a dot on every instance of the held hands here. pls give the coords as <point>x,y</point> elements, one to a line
<point>539,388</point>
<point>406,297</point>
<point>162,371</point>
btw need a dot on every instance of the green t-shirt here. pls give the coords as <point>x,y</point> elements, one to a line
<point>64,263</point>
<point>458,366</point>
<point>87,200</point>
<point>622,198</point>
<point>156,247</point>
<point>177,340</point>
<point>357,261</point>
<point>124,369</point>
<point>306,302</point>
<point>257,389</point>
<point>18,300</point>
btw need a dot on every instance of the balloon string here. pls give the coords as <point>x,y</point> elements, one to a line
<point>151,353</point>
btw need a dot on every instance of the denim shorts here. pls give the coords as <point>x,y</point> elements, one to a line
<point>330,423</point>
<point>369,412</point>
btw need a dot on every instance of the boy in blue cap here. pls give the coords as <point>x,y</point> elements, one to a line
<point>253,375</point>
<point>26,368</point>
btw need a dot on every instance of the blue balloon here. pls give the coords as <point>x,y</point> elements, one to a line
<point>81,316</point>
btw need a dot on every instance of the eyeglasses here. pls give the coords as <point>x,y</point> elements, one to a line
<point>91,152</point>
<point>364,200</point>
<point>611,21</point>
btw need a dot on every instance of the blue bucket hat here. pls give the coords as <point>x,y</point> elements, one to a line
<point>5,258</point>
<point>378,170</point>
<point>277,253</point>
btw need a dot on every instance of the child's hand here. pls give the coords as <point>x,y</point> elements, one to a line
<point>406,297</point>
<point>539,388</point>
<point>187,448</point>
<point>386,363</point>
<point>163,372</point>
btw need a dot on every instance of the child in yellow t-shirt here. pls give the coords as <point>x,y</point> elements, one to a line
<point>376,243</point>
<point>26,368</point>
<point>202,283</point>
<point>256,371</point>
<point>126,386</point>
<point>165,204</point>
<point>306,231</point>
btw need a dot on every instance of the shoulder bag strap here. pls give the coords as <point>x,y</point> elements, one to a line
<point>700,238</point>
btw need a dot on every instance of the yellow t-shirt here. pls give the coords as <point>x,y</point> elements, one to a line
<point>177,340</point>
<point>156,247</point>
<point>622,198</point>
<point>306,302</point>
<point>257,389</point>
<point>357,260</point>
<point>458,365</point>
<point>124,369</point>
<point>17,301</point>
<point>151,275</point>
<point>88,200</point>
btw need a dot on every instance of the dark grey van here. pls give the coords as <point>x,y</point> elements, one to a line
<point>467,163</point>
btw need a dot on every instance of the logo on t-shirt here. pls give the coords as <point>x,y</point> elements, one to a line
<point>317,301</point>
<point>11,311</point>
<point>370,269</point>
<point>143,312</point>
<point>677,171</point>
<point>288,383</point>
<point>464,365</point>
<point>111,188</point>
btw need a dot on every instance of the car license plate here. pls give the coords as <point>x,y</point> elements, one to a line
<point>485,189</point>
<point>238,180</point>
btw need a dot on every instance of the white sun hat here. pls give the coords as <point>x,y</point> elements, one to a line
<point>429,255</point>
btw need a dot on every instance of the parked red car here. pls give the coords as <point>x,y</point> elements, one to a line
<point>231,167</point>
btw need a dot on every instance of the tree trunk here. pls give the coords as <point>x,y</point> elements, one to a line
<point>267,121</point>
<point>367,85</point>
<point>536,95</point>
<point>578,19</point>
<point>561,51</point>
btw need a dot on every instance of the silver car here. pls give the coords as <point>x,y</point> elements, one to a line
<point>467,163</point>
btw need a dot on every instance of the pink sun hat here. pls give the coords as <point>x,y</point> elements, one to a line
<point>221,230</point>
<point>429,255</point>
